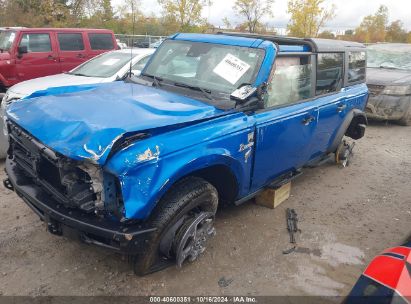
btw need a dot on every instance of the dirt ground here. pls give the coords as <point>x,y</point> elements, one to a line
<point>347,216</point>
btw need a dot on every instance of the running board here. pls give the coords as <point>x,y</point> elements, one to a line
<point>277,183</point>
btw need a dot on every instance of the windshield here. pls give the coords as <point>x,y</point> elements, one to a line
<point>6,40</point>
<point>389,56</point>
<point>212,67</point>
<point>103,66</point>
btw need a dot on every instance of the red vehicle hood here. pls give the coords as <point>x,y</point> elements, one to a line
<point>5,55</point>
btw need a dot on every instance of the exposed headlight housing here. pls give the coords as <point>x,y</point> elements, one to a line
<point>397,90</point>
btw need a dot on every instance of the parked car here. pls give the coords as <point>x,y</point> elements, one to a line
<point>28,53</point>
<point>389,82</point>
<point>386,280</point>
<point>107,67</point>
<point>141,167</point>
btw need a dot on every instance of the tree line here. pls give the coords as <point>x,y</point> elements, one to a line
<point>307,18</point>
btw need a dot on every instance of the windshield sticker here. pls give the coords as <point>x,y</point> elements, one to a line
<point>111,61</point>
<point>231,68</point>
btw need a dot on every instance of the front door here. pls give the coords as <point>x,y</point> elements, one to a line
<point>41,58</point>
<point>286,127</point>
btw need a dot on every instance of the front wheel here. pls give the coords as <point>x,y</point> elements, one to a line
<point>184,220</point>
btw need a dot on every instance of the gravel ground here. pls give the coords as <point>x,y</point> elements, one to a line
<point>347,216</point>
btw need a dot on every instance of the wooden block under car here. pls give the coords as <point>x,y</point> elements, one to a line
<point>271,198</point>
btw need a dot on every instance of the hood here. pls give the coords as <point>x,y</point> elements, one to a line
<point>26,88</point>
<point>86,124</point>
<point>381,76</point>
<point>5,55</point>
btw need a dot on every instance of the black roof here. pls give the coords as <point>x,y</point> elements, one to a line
<point>317,45</point>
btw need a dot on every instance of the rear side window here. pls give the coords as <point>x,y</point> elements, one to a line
<point>356,67</point>
<point>330,67</point>
<point>291,81</point>
<point>36,43</point>
<point>101,41</point>
<point>71,42</point>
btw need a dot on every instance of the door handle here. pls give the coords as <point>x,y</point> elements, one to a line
<point>341,108</point>
<point>49,57</point>
<point>80,56</point>
<point>306,121</point>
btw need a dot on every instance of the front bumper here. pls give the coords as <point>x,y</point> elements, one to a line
<point>386,107</point>
<point>128,239</point>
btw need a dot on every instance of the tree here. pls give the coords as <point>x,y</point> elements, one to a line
<point>253,11</point>
<point>186,12</point>
<point>373,27</point>
<point>326,35</point>
<point>396,32</point>
<point>227,23</point>
<point>308,17</point>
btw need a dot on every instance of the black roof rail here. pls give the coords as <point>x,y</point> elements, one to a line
<point>317,45</point>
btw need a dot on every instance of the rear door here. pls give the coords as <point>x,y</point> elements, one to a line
<point>285,129</point>
<point>99,43</point>
<point>72,50</point>
<point>41,58</point>
<point>331,98</point>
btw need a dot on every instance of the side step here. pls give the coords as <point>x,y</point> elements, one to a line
<point>277,183</point>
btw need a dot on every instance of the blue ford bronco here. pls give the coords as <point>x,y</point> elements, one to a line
<point>140,166</point>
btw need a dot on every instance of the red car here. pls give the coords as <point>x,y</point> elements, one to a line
<point>27,53</point>
<point>387,279</point>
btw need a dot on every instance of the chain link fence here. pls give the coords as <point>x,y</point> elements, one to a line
<point>139,40</point>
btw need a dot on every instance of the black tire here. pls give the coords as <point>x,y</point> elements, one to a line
<point>186,195</point>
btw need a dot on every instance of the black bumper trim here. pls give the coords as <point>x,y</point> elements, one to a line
<point>102,232</point>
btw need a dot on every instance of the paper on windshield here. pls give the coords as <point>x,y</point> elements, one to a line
<point>111,61</point>
<point>231,68</point>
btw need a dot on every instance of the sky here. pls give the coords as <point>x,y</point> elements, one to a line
<point>349,13</point>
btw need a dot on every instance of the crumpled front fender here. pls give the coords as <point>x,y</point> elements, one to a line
<point>148,168</point>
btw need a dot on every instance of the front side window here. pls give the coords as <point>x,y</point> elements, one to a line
<point>70,42</point>
<point>214,67</point>
<point>36,43</point>
<point>330,71</point>
<point>291,82</point>
<point>357,67</point>
<point>6,40</point>
<point>104,66</point>
<point>101,41</point>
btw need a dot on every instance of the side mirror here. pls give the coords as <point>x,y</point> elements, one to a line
<point>243,93</point>
<point>22,50</point>
<point>136,72</point>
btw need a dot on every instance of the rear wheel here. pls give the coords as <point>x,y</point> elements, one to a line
<point>184,220</point>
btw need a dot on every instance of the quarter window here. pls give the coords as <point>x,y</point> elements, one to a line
<point>356,67</point>
<point>101,41</point>
<point>291,81</point>
<point>36,43</point>
<point>71,42</point>
<point>330,67</point>
<point>141,64</point>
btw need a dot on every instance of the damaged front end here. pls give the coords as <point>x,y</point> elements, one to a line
<point>390,102</point>
<point>75,184</point>
<point>69,194</point>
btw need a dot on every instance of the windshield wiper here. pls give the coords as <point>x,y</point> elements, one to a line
<point>156,79</point>
<point>206,92</point>
<point>79,74</point>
